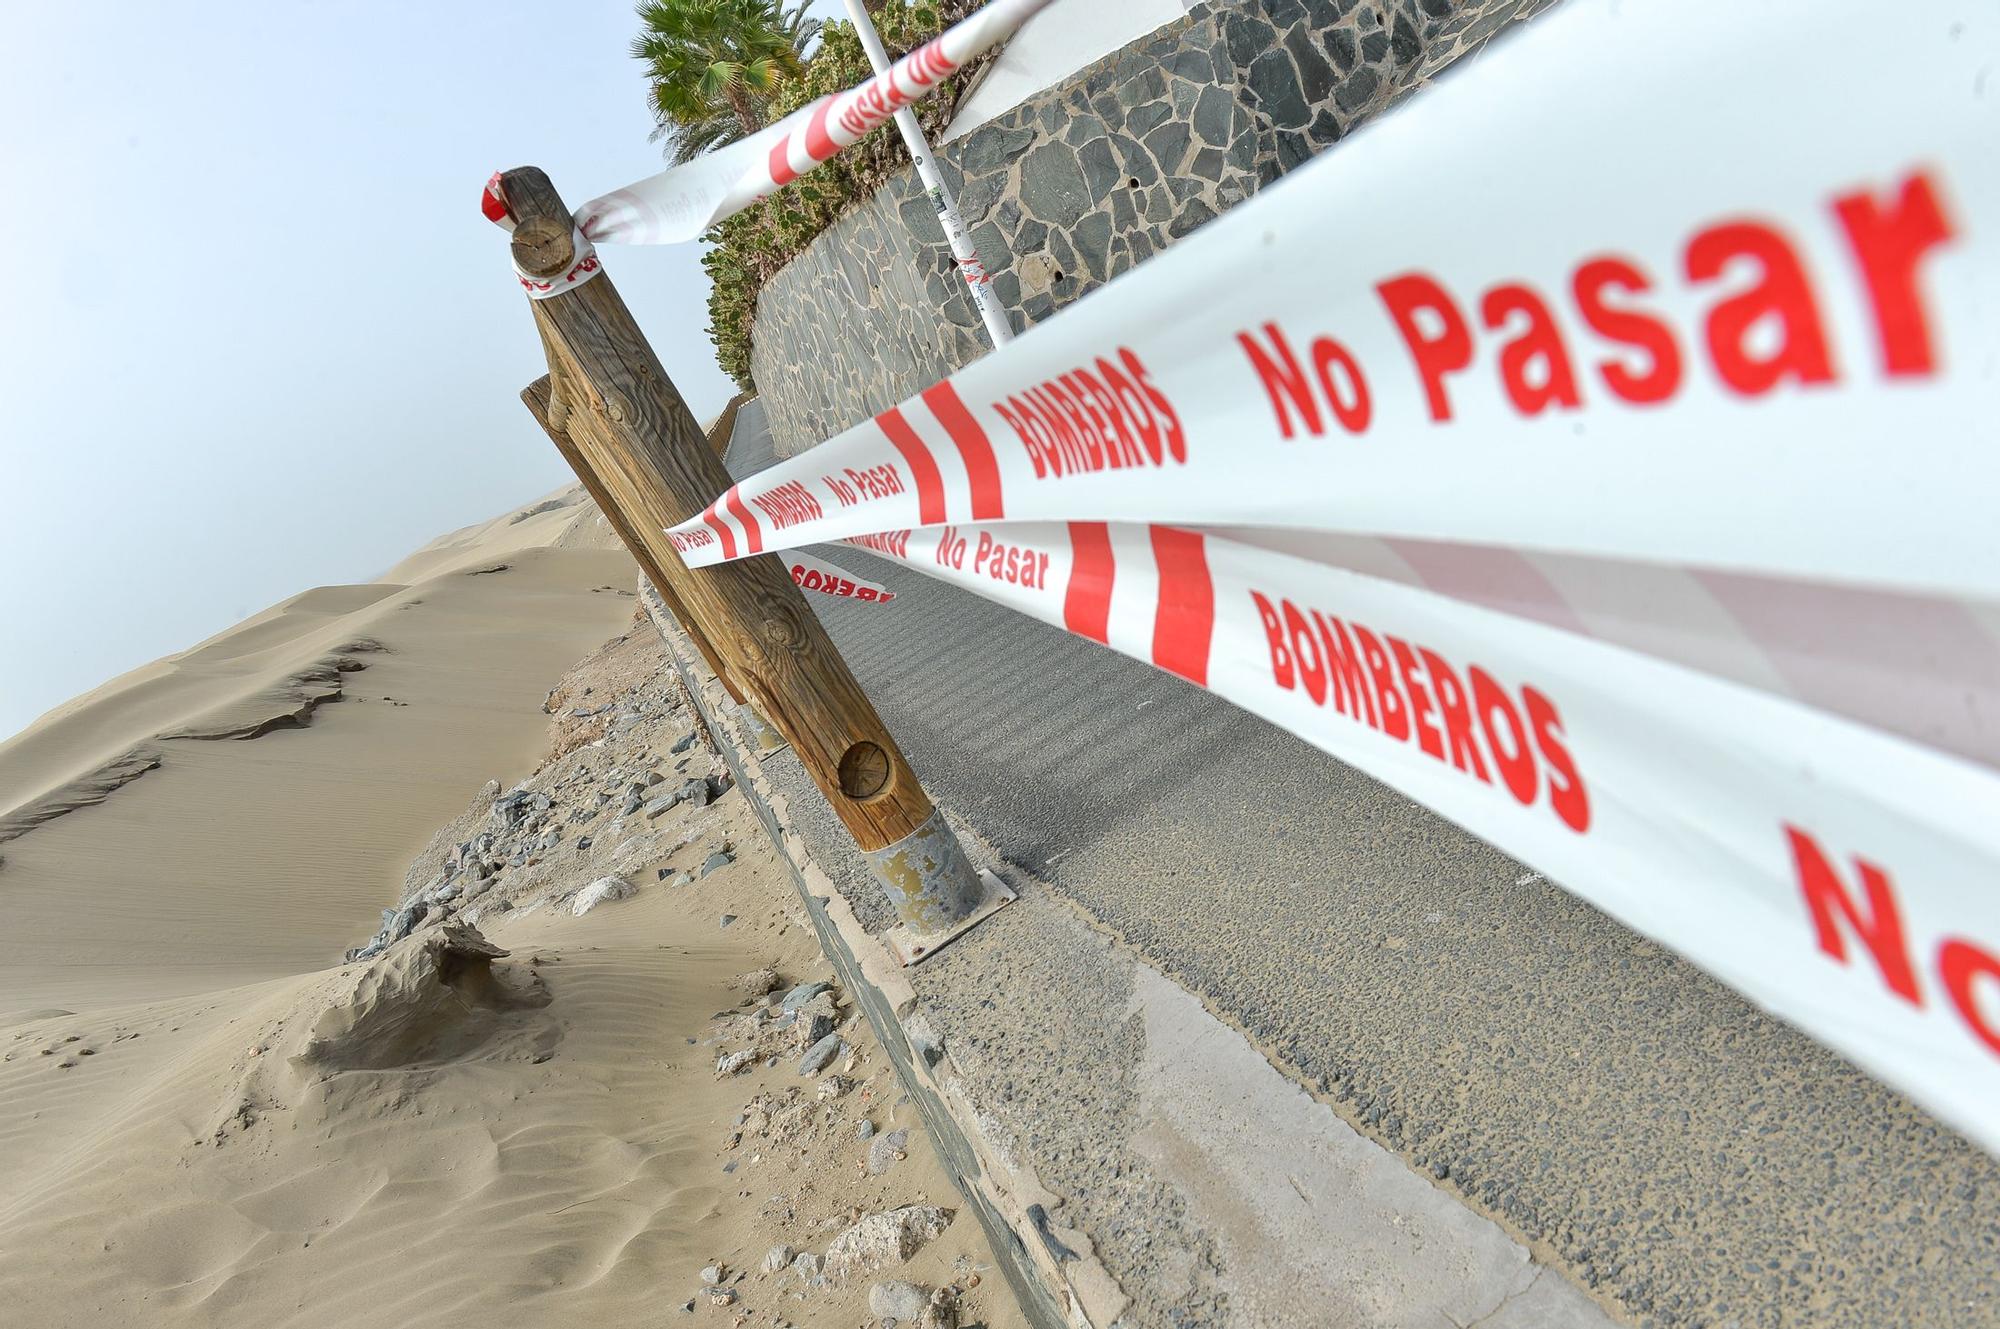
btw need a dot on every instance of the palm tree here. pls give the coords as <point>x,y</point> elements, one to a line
<point>712,66</point>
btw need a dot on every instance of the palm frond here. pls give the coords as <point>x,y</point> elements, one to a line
<point>713,66</point>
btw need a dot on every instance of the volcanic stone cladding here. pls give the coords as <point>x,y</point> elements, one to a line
<point>1085,180</point>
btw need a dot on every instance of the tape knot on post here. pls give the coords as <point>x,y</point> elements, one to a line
<point>582,268</point>
<point>570,268</point>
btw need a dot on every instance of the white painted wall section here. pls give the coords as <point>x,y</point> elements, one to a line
<point>1055,44</point>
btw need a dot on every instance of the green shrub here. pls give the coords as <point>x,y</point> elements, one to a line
<point>748,249</point>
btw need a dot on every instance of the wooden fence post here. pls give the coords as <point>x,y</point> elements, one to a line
<point>630,428</point>
<point>549,413</point>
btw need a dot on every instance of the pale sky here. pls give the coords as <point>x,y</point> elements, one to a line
<point>257,336</point>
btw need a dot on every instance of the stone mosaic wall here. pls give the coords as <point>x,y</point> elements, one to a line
<point>1085,180</point>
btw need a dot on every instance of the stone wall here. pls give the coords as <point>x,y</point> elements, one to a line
<point>1083,181</point>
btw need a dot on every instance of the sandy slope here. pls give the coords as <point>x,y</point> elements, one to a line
<point>205,1123</point>
<point>245,858</point>
<point>319,1152</point>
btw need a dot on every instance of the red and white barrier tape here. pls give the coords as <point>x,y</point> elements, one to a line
<point>1836,875</point>
<point>1765,343</point>
<point>813,575</point>
<point>677,205</point>
<point>1649,533</point>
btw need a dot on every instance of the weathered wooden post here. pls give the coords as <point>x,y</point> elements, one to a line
<point>630,428</point>
<point>551,415</point>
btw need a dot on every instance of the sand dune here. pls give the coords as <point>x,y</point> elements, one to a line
<point>82,791</point>
<point>282,1155</point>
<point>514,1115</point>
<point>362,717</point>
<point>367,1147</point>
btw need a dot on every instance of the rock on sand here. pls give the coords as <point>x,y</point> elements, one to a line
<point>595,894</point>
<point>880,1240</point>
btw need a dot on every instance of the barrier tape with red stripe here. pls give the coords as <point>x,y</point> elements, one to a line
<point>677,205</point>
<point>1706,359</point>
<point>1827,870</point>
<point>814,575</point>
<point>1648,536</point>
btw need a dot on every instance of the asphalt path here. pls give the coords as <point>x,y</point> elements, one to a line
<point>1640,1125</point>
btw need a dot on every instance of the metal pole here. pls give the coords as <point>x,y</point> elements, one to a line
<point>980,287</point>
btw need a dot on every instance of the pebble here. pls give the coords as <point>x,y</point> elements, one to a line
<point>812,1027</point>
<point>757,982</point>
<point>727,919</point>
<point>819,1054</point>
<point>599,891</point>
<point>865,1131</point>
<point>721,858</point>
<point>778,1258</point>
<point>734,1061</point>
<point>887,1151</point>
<point>802,994</point>
<point>711,1274</point>
<point>902,1302</point>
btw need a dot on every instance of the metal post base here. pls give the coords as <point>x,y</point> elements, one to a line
<point>912,947</point>
<point>933,887</point>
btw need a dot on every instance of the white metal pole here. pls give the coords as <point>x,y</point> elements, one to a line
<point>998,330</point>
